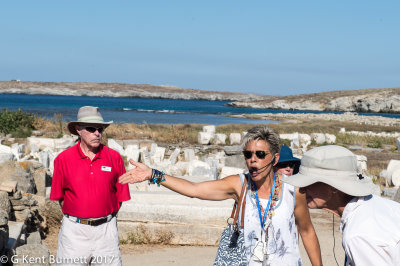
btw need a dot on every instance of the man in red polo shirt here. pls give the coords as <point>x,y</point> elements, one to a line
<point>85,182</point>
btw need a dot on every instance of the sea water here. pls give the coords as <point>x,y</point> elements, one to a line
<point>140,110</point>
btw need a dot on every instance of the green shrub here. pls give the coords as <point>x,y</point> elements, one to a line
<point>376,143</point>
<point>17,123</point>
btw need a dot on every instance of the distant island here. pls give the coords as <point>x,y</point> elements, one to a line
<point>366,100</point>
<point>121,90</point>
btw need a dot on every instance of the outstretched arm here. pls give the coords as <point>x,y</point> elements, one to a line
<point>306,229</point>
<point>222,189</point>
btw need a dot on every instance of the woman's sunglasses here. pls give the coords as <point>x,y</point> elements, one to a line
<point>93,129</point>
<point>259,154</point>
<point>286,164</point>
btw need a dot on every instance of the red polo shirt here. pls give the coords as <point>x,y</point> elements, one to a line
<point>90,189</point>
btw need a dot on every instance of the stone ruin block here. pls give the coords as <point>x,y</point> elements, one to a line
<point>113,144</point>
<point>219,139</point>
<point>6,157</point>
<point>199,168</point>
<point>361,163</point>
<point>145,156</point>
<point>393,166</point>
<point>175,169</point>
<point>235,138</point>
<point>18,150</point>
<point>189,154</point>
<point>173,158</point>
<point>209,129</point>
<point>330,138</point>
<point>158,155</point>
<point>396,177</point>
<point>227,171</point>
<point>34,238</point>
<point>233,150</point>
<point>5,202</point>
<point>46,157</point>
<point>132,152</point>
<point>153,148</point>
<point>396,196</point>
<point>42,143</point>
<point>319,138</point>
<point>64,143</point>
<point>5,149</point>
<point>236,161</point>
<point>38,255</point>
<point>204,138</point>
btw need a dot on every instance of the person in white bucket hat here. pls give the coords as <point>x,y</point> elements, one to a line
<point>85,182</point>
<point>370,224</point>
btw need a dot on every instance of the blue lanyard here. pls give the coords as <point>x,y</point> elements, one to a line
<point>262,220</point>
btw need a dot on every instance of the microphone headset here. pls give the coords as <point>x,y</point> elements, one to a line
<point>264,167</point>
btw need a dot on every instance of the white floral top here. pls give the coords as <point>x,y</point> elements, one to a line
<point>282,244</point>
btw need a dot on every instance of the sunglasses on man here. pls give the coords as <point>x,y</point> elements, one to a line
<point>93,129</point>
<point>260,154</point>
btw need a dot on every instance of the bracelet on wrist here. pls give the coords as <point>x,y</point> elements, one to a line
<point>156,177</point>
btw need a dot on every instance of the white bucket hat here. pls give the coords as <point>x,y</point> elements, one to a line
<point>88,115</point>
<point>333,165</point>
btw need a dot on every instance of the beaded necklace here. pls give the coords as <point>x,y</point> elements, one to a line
<point>275,197</point>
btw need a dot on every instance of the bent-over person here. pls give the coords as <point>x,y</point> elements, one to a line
<point>370,224</point>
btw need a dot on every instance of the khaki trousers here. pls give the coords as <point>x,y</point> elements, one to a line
<point>81,244</point>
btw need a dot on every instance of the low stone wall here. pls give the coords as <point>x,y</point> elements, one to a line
<point>190,221</point>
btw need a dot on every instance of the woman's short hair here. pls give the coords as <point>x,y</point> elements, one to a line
<point>263,133</point>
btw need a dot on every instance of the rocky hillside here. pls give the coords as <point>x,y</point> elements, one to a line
<point>367,100</point>
<point>121,90</point>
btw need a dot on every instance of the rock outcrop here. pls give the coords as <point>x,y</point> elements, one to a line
<point>369,100</point>
<point>121,90</point>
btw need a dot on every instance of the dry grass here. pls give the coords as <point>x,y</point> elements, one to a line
<point>331,127</point>
<point>187,133</point>
<point>365,141</point>
<point>51,127</point>
<point>181,133</point>
<point>141,235</point>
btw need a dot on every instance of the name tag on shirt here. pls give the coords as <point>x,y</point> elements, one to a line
<point>106,168</point>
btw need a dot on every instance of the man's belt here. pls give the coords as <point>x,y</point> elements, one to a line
<point>91,221</point>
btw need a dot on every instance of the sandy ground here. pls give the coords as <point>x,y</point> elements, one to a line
<point>133,255</point>
<point>198,256</point>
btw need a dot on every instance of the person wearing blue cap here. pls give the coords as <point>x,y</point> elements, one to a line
<point>287,164</point>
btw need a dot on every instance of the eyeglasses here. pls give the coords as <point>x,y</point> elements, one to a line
<point>93,129</point>
<point>286,164</point>
<point>259,154</point>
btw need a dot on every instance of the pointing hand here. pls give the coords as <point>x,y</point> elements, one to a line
<point>139,174</point>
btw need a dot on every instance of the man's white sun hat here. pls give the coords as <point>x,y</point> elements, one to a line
<point>87,115</point>
<point>333,165</point>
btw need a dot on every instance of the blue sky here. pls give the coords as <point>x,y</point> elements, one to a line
<point>265,47</point>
